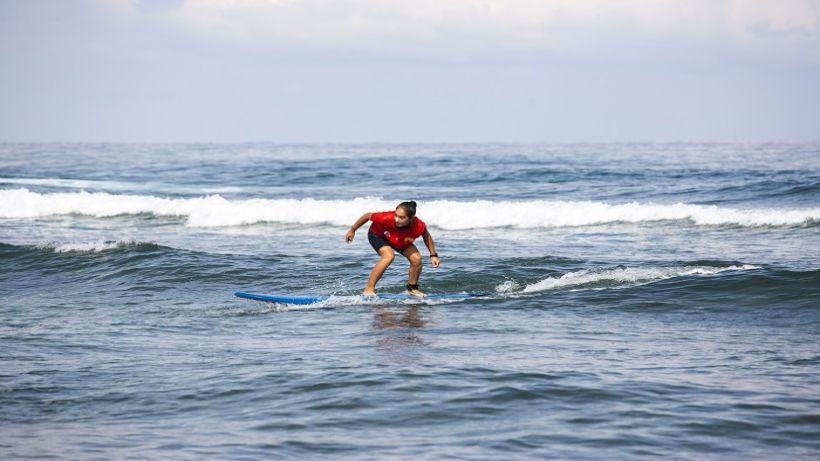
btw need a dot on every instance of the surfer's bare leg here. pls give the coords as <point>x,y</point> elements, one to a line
<point>414,256</point>
<point>387,254</point>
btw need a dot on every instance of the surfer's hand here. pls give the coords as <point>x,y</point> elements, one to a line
<point>435,261</point>
<point>349,235</point>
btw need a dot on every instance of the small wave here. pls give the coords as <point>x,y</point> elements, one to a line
<point>98,246</point>
<point>66,183</point>
<point>216,211</point>
<point>88,247</point>
<point>805,189</point>
<point>621,277</point>
<point>98,185</point>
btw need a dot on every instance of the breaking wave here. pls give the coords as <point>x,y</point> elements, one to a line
<point>624,276</point>
<point>216,211</point>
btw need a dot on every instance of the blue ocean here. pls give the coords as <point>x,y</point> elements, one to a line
<point>642,301</point>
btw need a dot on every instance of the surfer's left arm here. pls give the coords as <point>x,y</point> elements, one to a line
<point>431,247</point>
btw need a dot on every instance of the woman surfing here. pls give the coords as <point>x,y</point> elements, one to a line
<point>391,232</point>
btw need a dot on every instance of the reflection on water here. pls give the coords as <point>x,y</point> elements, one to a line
<point>404,318</point>
<point>397,330</point>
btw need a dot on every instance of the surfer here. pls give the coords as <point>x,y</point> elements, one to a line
<point>391,232</point>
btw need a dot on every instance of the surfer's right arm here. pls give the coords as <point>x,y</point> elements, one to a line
<point>359,223</point>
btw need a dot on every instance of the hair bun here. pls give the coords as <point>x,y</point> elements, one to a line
<point>409,207</point>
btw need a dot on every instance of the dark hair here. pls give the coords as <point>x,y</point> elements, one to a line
<point>409,208</point>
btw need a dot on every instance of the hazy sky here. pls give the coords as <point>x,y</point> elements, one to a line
<point>409,70</point>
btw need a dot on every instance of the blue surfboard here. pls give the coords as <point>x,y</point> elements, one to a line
<point>304,300</point>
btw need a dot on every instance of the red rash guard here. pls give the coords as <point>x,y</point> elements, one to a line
<point>399,238</point>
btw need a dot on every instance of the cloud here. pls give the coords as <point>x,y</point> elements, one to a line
<point>485,27</point>
<point>421,70</point>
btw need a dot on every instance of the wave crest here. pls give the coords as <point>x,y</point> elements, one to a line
<point>625,276</point>
<point>216,211</point>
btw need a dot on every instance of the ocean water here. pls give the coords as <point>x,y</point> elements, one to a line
<point>644,301</point>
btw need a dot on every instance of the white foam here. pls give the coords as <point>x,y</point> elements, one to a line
<point>86,247</point>
<point>334,301</point>
<point>214,210</point>
<point>625,276</point>
<point>545,214</point>
<point>507,286</point>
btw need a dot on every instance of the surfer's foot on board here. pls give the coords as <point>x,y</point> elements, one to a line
<point>413,290</point>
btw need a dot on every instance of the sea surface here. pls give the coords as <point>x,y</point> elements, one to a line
<point>643,301</point>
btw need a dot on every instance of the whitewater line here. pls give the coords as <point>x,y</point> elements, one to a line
<point>216,211</point>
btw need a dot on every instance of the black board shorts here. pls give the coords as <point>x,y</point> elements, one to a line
<point>377,242</point>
